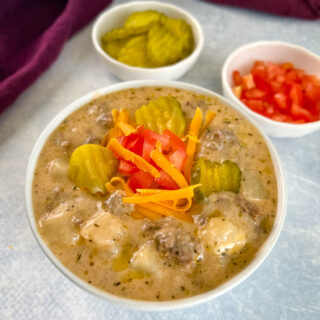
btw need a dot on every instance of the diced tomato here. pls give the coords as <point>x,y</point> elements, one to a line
<point>300,113</point>
<point>166,182</point>
<point>281,100</point>
<point>260,76</point>
<point>133,142</point>
<point>280,79</point>
<point>127,168</point>
<point>296,94</point>
<point>175,141</point>
<point>277,86</point>
<point>249,81</point>
<point>148,146</point>
<point>141,180</point>
<point>178,154</point>
<point>281,92</point>
<point>259,66</point>
<point>178,158</point>
<point>311,89</point>
<point>274,71</point>
<point>256,105</point>
<point>237,79</point>
<point>154,137</point>
<point>237,91</point>
<point>292,76</point>
<point>254,94</point>
<point>268,108</point>
<point>261,83</point>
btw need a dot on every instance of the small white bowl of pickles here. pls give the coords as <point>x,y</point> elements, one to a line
<point>147,40</point>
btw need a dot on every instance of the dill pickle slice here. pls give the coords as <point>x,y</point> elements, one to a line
<point>113,47</point>
<point>162,113</point>
<point>181,30</point>
<point>116,34</point>
<point>134,53</point>
<point>215,177</point>
<point>169,41</point>
<point>91,166</point>
<point>142,21</point>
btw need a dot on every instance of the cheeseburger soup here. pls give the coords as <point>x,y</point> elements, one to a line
<point>155,193</point>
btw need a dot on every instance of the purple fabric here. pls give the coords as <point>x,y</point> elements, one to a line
<point>32,33</point>
<point>303,9</point>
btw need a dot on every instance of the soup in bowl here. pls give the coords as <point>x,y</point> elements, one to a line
<point>155,194</point>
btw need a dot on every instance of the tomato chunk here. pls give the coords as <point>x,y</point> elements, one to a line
<point>300,113</point>
<point>296,94</point>
<point>166,182</point>
<point>254,94</point>
<point>133,142</point>
<point>281,100</point>
<point>141,180</point>
<point>237,79</point>
<point>127,168</point>
<point>154,137</point>
<point>178,154</point>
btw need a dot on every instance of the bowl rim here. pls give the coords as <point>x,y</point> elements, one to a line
<point>226,85</point>
<point>261,255</point>
<point>99,20</point>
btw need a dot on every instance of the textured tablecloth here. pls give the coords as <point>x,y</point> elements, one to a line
<point>286,286</point>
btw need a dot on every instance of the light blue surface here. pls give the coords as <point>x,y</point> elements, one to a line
<point>286,286</point>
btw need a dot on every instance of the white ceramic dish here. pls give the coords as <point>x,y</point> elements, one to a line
<point>242,59</point>
<point>144,305</point>
<point>115,18</point>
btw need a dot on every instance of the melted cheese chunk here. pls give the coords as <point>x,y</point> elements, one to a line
<point>220,236</point>
<point>147,259</point>
<point>104,229</point>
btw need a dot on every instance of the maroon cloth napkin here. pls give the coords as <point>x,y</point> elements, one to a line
<point>303,9</point>
<point>32,33</point>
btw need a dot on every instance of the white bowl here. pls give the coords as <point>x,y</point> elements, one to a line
<point>145,305</point>
<point>115,18</point>
<point>242,59</point>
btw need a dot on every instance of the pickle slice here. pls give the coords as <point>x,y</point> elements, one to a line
<point>116,34</point>
<point>162,113</point>
<point>181,30</point>
<point>134,53</point>
<point>169,41</point>
<point>91,166</point>
<point>215,177</point>
<point>113,47</point>
<point>142,21</point>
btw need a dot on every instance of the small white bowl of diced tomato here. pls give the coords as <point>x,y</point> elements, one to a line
<point>277,84</point>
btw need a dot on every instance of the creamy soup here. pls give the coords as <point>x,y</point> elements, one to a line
<point>97,237</point>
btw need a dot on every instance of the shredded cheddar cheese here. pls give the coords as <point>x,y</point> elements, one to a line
<point>111,186</point>
<point>192,144</point>
<point>133,157</point>
<point>175,206</point>
<point>126,128</point>
<point>166,195</point>
<point>161,161</point>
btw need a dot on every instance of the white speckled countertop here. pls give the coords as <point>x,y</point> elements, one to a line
<point>286,286</point>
